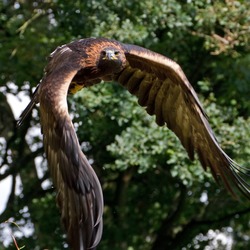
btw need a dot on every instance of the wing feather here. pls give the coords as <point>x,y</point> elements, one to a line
<point>173,100</point>
<point>159,99</point>
<point>152,95</point>
<point>125,75</point>
<point>161,87</point>
<point>144,89</point>
<point>134,82</point>
<point>75,180</point>
<point>79,194</point>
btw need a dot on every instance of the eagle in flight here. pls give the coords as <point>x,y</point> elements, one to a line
<point>160,86</point>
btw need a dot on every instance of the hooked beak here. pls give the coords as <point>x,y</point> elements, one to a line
<point>109,55</point>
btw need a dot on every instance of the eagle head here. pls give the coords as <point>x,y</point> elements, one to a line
<point>111,60</point>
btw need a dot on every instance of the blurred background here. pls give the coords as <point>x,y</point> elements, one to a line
<point>155,197</point>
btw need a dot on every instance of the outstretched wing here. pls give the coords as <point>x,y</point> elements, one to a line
<point>79,192</point>
<point>162,87</point>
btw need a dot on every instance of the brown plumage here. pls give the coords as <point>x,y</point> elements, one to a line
<point>161,87</point>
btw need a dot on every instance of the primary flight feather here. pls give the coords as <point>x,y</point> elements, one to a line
<point>161,87</point>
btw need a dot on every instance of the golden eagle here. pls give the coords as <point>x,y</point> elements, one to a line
<point>161,87</point>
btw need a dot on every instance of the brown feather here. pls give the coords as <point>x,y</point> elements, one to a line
<point>152,96</point>
<point>144,88</point>
<point>179,107</point>
<point>160,85</point>
<point>134,82</point>
<point>79,191</point>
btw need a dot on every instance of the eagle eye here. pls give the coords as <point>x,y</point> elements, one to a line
<point>103,53</point>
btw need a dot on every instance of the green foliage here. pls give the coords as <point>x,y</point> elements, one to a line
<point>155,197</point>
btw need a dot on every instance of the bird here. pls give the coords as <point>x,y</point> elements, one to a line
<point>161,88</point>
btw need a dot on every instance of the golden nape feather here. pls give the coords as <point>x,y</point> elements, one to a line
<point>161,87</point>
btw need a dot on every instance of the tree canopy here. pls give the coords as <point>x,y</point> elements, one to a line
<point>155,197</point>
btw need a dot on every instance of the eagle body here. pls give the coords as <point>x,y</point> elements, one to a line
<point>160,86</point>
